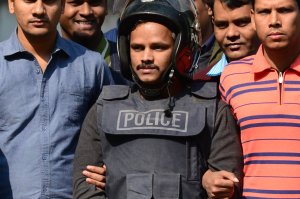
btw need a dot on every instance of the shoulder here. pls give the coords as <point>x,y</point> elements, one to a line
<point>2,45</point>
<point>78,51</point>
<point>204,90</point>
<point>239,66</point>
<point>236,71</point>
<point>79,56</point>
<point>114,92</point>
<point>10,46</point>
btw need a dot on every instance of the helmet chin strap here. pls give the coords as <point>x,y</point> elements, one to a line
<point>156,92</point>
<point>149,92</point>
<point>171,104</point>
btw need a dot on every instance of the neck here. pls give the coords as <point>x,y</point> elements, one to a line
<point>90,43</point>
<point>281,59</point>
<point>40,47</point>
<point>171,89</point>
<point>37,44</point>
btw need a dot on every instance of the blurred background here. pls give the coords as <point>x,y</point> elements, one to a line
<point>8,22</point>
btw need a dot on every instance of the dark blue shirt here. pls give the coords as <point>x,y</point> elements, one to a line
<point>41,115</point>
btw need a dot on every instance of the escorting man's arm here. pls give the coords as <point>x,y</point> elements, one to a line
<point>225,175</point>
<point>88,152</point>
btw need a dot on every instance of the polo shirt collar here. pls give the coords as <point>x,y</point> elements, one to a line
<point>260,63</point>
<point>296,64</point>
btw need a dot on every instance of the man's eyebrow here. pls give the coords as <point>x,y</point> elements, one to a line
<point>244,18</point>
<point>220,20</point>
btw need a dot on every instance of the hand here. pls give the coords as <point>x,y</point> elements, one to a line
<point>95,176</point>
<point>219,184</point>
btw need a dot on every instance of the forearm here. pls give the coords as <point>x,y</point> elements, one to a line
<point>226,151</point>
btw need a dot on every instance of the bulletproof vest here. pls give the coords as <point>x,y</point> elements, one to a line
<point>149,155</point>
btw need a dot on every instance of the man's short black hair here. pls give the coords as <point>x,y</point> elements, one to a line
<point>232,4</point>
<point>298,2</point>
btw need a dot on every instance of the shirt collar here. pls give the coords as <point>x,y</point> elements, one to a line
<point>63,45</point>
<point>218,67</point>
<point>261,64</point>
<point>104,49</point>
<point>296,64</point>
<point>14,46</point>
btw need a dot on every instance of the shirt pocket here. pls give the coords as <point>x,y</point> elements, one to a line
<point>74,105</point>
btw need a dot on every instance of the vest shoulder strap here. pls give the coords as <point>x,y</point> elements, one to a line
<point>204,90</point>
<point>114,92</point>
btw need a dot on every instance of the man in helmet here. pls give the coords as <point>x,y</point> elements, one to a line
<point>146,135</point>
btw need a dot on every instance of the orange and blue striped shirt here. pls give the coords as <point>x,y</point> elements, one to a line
<point>266,104</point>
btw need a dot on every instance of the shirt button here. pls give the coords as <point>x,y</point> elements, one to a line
<point>44,157</point>
<point>44,188</point>
<point>37,71</point>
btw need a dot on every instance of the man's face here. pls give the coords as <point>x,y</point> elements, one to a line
<point>277,23</point>
<point>151,46</point>
<point>234,31</point>
<point>37,18</point>
<point>83,18</point>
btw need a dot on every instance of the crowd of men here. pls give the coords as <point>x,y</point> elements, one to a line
<point>196,99</point>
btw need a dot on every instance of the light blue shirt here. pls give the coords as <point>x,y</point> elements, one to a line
<point>218,68</point>
<point>41,115</point>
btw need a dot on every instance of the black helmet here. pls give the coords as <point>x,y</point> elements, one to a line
<point>180,16</point>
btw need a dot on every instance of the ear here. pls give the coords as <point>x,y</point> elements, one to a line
<point>209,10</point>
<point>11,6</point>
<point>213,19</point>
<point>252,19</point>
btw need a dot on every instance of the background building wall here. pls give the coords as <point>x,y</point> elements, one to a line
<point>8,22</point>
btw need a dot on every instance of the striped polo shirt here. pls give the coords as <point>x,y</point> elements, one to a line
<point>266,104</point>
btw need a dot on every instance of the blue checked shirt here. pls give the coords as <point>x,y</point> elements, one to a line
<point>41,115</point>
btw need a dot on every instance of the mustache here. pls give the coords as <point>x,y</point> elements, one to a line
<point>39,20</point>
<point>147,66</point>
